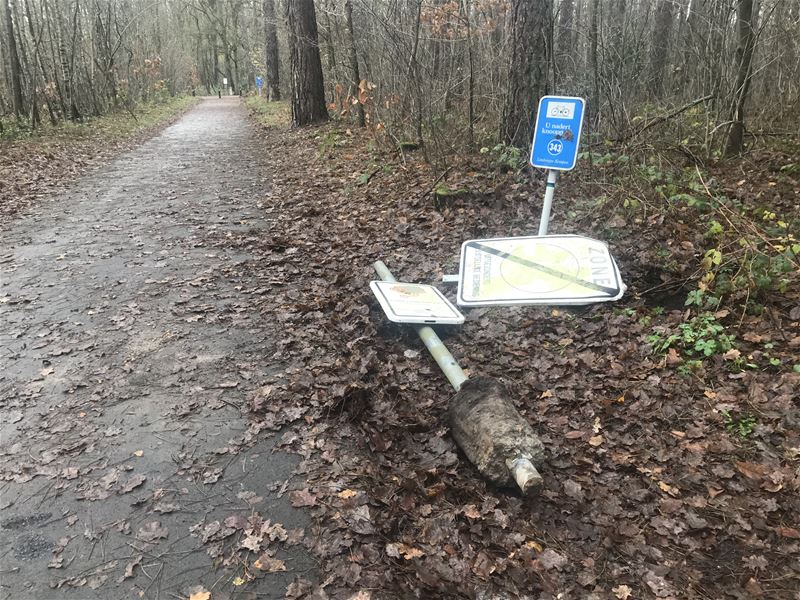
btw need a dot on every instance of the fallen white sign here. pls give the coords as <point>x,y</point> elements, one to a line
<point>551,269</point>
<point>415,303</point>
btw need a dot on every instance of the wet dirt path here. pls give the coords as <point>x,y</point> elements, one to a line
<point>128,352</point>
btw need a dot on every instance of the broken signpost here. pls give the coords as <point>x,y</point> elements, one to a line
<point>484,422</point>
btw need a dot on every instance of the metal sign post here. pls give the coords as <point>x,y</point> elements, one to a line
<point>559,121</point>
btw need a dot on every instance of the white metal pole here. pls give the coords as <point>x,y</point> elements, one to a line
<point>552,176</point>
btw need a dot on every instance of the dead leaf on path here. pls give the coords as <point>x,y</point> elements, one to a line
<point>295,536</point>
<point>199,593</point>
<point>249,497</point>
<point>57,561</point>
<point>268,564</point>
<point>596,440</point>
<point>275,532</point>
<point>165,507</point>
<point>70,473</point>
<point>212,476</point>
<point>302,498</point>
<point>138,453</point>
<point>95,581</point>
<point>345,494</point>
<point>252,543</point>
<point>152,531</point>
<point>132,483</point>
<point>130,567</point>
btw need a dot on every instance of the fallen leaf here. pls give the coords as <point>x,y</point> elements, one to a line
<point>302,498</point>
<point>396,549</point>
<point>596,440</point>
<point>132,483</point>
<point>788,532</point>
<point>152,531</point>
<point>252,542</point>
<point>752,470</point>
<point>471,511</point>
<point>550,559</point>
<point>269,565</point>
<point>622,592</point>
<point>201,593</point>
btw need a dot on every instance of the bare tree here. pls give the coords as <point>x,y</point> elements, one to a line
<point>746,38</point>
<point>271,52</point>
<point>308,86</point>
<point>13,55</point>
<point>527,77</point>
<point>348,9</point>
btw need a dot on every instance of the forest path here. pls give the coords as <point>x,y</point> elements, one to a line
<point>127,357</point>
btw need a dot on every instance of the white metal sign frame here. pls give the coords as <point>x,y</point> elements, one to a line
<point>544,270</point>
<point>415,303</point>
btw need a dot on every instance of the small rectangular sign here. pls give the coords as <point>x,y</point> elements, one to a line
<point>550,269</point>
<point>259,81</point>
<point>558,131</point>
<point>415,303</point>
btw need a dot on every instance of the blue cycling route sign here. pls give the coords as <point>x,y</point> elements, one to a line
<point>558,130</point>
<point>259,81</point>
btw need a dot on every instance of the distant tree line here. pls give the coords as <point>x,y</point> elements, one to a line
<point>444,73</point>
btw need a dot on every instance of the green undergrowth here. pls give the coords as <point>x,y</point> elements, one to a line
<point>744,231</point>
<point>117,125</point>
<point>269,114</point>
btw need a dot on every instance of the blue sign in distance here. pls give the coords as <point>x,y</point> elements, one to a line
<point>259,81</point>
<point>557,133</point>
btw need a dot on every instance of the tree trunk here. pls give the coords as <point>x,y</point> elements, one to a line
<point>594,65</point>
<point>744,58</point>
<point>564,48</point>
<point>351,38</point>
<point>13,56</point>
<point>659,51</point>
<point>308,86</point>
<point>529,19</point>
<point>272,62</point>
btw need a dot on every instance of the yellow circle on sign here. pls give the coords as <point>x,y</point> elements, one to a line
<point>528,278</point>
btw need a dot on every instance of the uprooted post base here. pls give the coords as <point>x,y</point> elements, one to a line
<point>494,435</point>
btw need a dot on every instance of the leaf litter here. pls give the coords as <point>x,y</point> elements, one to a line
<point>647,495</point>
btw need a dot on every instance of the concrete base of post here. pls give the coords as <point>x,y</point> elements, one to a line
<point>494,436</point>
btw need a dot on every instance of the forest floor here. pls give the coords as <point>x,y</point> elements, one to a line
<point>672,431</point>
